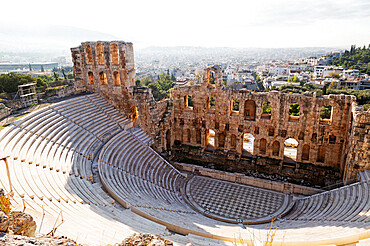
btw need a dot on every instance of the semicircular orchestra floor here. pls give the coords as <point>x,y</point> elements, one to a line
<point>235,203</point>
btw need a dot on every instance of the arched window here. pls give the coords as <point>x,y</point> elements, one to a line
<point>114,54</point>
<point>263,146</point>
<point>91,77</point>
<point>266,110</point>
<point>88,53</point>
<point>100,53</point>
<point>103,78</point>
<point>249,110</point>
<point>290,149</point>
<point>248,144</point>
<point>306,152</point>
<point>275,148</point>
<point>321,154</point>
<point>294,112</point>
<point>116,79</point>
<point>326,113</point>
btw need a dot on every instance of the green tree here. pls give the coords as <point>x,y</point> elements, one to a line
<point>146,81</point>
<point>9,82</point>
<point>294,109</point>
<point>334,75</point>
<point>138,82</point>
<point>161,88</point>
<point>325,112</point>
<point>294,79</point>
<point>56,76</point>
<point>266,107</point>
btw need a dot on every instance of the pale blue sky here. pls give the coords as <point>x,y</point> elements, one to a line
<point>258,23</point>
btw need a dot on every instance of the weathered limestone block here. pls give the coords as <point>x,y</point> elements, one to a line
<point>4,111</point>
<point>18,223</point>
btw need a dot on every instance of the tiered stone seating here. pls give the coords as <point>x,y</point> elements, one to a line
<point>364,175</point>
<point>126,166</point>
<point>51,156</point>
<point>51,152</point>
<point>345,205</point>
<point>141,136</point>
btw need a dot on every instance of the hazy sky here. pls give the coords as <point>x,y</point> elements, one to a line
<point>257,23</point>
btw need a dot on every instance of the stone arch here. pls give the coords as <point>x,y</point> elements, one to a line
<point>290,149</point>
<point>306,152</point>
<point>249,110</point>
<point>276,148</point>
<point>321,152</point>
<point>248,144</point>
<point>114,53</point>
<point>91,77</point>
<point>266,110</point>
<point>103,78</point>
<point>100,53</point>
<point>263,144</point>
<point>88,53</point>
<point>116,79</point>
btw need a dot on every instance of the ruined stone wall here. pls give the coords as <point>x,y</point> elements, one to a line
<point>4,111</point>
<point>106,68</point>
<point>323,141</point>
<point>358,158</point>
<point>184,122</point>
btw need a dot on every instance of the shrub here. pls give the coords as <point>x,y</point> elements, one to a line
<point>5,204</point>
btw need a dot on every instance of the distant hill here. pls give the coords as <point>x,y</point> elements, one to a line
<point>355,58</point>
